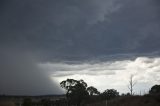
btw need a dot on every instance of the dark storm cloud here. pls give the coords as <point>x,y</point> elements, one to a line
<point>60,30</point>
<point>80,29</point>
<point>54,27</point>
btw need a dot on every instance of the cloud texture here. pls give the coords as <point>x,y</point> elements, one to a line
<point>81,34</point>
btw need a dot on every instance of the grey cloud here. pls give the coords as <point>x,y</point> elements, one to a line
<point>55,28</point>
<point>60,29</point>
<point>100,68</point>
<point>74,31</point>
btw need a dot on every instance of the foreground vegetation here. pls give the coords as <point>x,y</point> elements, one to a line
<point>147,100</point>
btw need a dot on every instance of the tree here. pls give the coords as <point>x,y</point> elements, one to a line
<point>92,91</point>
<point>131,84</point>
<point>110,94</point>
<point>155,90</point>
<point>76,90</point>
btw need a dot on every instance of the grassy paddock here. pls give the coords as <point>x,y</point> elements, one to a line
<point>131,101</point>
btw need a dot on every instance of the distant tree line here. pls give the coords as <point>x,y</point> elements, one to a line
<point>43,102</point>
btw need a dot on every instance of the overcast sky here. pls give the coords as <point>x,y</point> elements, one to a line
<point>43,42</point>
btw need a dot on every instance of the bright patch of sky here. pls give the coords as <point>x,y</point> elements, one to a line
<point>110,74</point>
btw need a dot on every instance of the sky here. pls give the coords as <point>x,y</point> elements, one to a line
<point>103,42</point>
